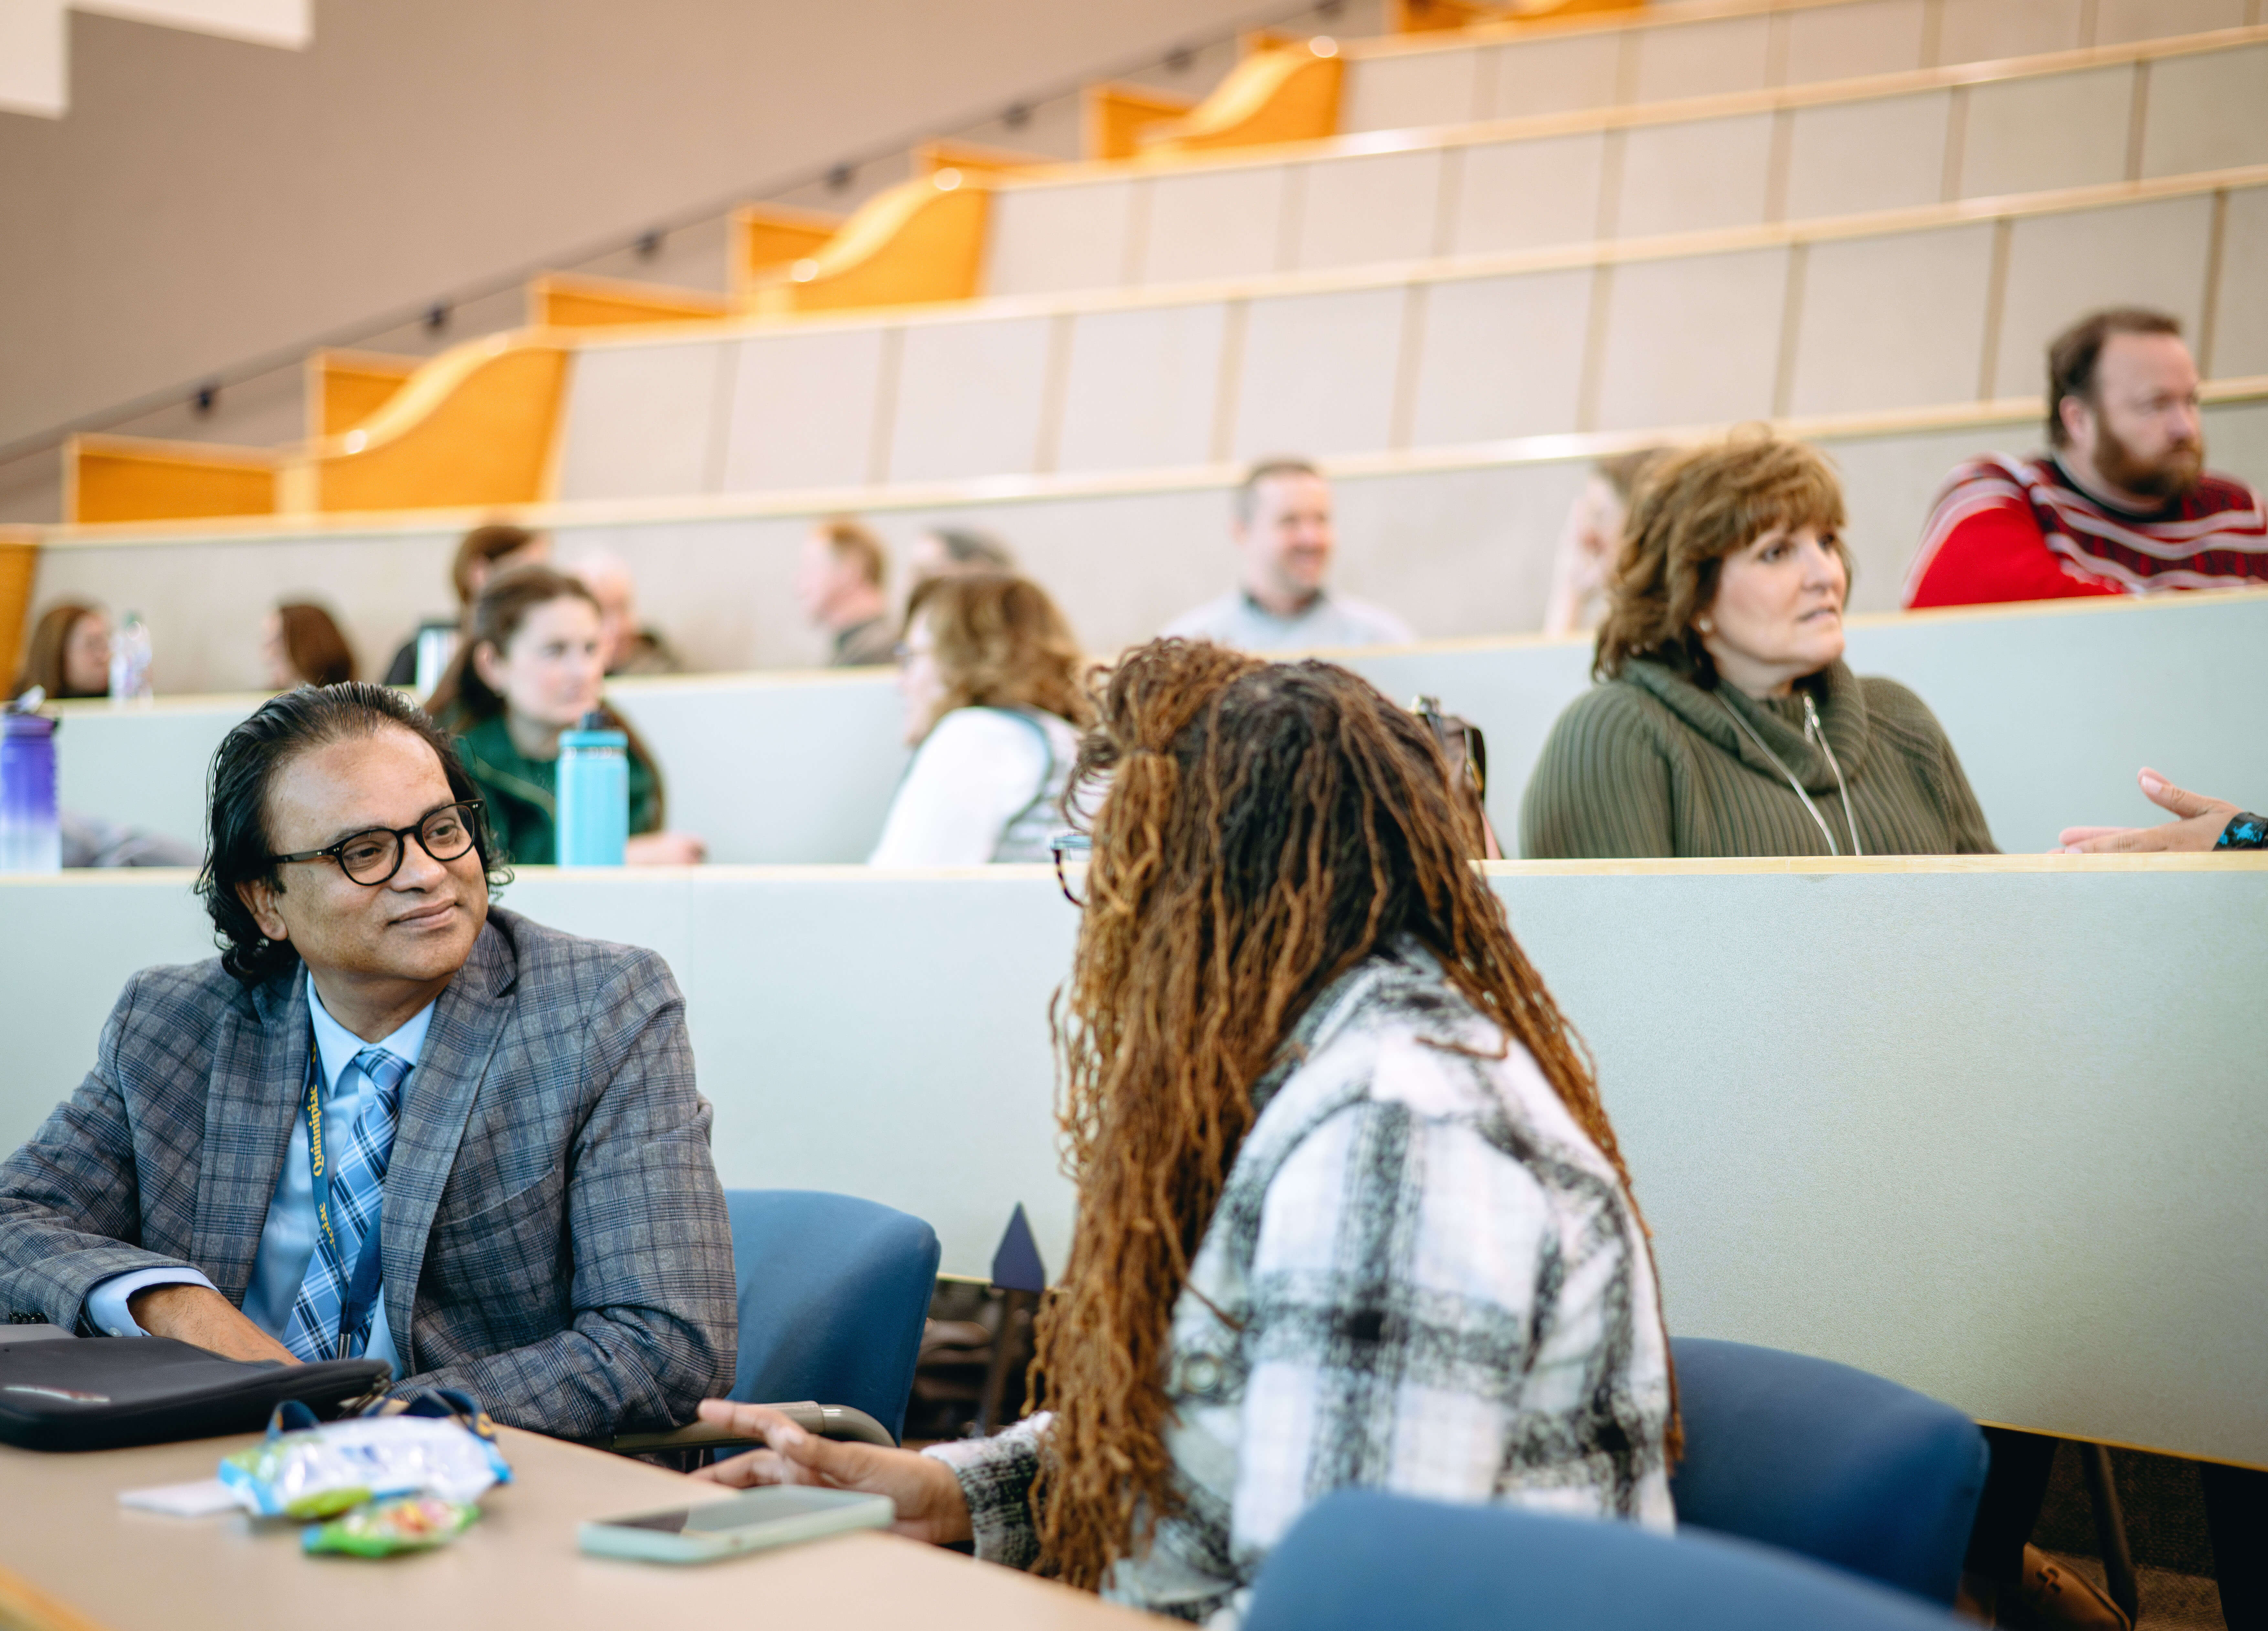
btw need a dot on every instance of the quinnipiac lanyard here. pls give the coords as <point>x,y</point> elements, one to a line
<point>355,1309</point>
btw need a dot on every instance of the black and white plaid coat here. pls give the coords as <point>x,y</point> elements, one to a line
<point>555,1240</point>
<point>1432,1283</point>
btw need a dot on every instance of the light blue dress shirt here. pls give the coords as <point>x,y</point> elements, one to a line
<point>287,1241</point>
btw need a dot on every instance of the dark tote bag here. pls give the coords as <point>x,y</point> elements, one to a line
<point>106,1392</point>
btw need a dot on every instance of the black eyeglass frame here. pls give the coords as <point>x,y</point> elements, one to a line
<point>1064,844</point>
<point>401,836</point>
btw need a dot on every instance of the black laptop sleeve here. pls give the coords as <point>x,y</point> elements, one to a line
<point>105,1392</point>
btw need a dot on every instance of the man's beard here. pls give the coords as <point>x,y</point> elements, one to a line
<point>2173,474</point>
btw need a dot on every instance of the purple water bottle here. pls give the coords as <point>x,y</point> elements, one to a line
<point>29,841</point>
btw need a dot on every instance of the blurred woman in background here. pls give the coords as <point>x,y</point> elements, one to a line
<point>990,673</point>
<point>69,653</point>
<point>1727,723</point>
<point>301,645</point>
<point>533,664</point>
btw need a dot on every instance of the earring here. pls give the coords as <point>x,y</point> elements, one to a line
<point>1705,625</point>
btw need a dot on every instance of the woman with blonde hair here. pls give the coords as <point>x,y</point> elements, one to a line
<point>1727,723</point>
<point>990,673</point>
<point>1351,1213</point>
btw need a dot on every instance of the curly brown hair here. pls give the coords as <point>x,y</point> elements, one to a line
<point>1001,643</point>
<point>1693,508</point>
<point>1267,826</point>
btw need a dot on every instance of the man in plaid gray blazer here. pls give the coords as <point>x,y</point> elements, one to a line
<point>548,1229</point>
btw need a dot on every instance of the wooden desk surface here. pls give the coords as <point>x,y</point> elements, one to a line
<point>97,1564</point>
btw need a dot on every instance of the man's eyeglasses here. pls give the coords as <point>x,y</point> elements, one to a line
<point>374,855</point>
<point>1080,846</point>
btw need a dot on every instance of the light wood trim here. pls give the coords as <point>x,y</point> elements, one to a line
<point>1252,41</point>
<point>475,426</point>
<point>920,241</point>
<point>1219,477</point>
<point>136,478</point>
<point>346,387</point>
<point>19,569</point>
<point>1114,117</point>
<point>1288,94</point>
<point>944,153</point>
<point>767,238</point>
<point>25,1607</point>
<point>571,300</point>
<point>1513,23</point>
<point>1685,110</point>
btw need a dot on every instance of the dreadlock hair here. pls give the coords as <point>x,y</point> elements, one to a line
<point>1268,827</point>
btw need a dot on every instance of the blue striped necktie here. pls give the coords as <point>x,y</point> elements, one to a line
<point>358,1188</point>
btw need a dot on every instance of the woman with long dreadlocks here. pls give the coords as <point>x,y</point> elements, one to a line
<point>1350,1212</point>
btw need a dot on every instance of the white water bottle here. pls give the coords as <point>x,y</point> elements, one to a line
<point>130,660</point>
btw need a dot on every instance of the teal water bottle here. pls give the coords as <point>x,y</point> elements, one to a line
<point>594,794</point>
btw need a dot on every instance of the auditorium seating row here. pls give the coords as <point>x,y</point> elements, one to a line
<point>1904,141</point>
<point>1930,1118</point>
<point>1460,543</point>
<point>1430,253</point>
<point>2052,709</point>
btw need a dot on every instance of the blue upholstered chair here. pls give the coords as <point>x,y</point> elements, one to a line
<point>834,1292</point>
<point>1818,1458</point>
<point>1361,1560</point>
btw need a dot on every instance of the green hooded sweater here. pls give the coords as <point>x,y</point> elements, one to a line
<point>1652,765</point>
<point>522,794</point>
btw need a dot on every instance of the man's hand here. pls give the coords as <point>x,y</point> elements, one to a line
<point>202,1317</point>
<point>928,1496</point>
<point>2198,827</point>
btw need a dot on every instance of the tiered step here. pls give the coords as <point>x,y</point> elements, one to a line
<point>1459,541</point>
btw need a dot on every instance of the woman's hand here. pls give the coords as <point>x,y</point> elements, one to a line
<point>2199,826</point>
<point>926,1494</point>
<point>665,849</point>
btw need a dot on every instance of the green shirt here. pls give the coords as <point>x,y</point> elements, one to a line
<point>522,794</point>
<point>1651,764</point>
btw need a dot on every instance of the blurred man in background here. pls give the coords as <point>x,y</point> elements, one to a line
<point>1283,533</point>
<point>2122,503</point>
<point>838,579</point>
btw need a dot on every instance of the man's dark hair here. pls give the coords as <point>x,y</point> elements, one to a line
<point>1266,469</point>
<point>2072,355</point>
<point>237,840</point>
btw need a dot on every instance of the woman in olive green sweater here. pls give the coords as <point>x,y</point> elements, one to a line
<point>1727,723</point>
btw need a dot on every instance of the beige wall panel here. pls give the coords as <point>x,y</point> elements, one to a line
<point>1978,31</point>
<point>2207,113</point>
<point>2117,22</point>
<point>1410,92</point>
<point>1319,373</point>
<point>1692,342</point>
<point>1502,356</point>
<point>1042,238</point>
<point>1361,211</point>
<point>642,421</point>
<point>1850,157</point>
<point>1848,42</point>
<point>1221,223</point>
<point>2240,341</point>
<point>1526,194</point>
<point>1865,343</point>
<point>803,409</point>
<point>1141,388</point>
<point>1683,177</point>
<point>1551,75</point>
<point>2062,267</point>
<point>969,399</point>
<point>2032,136</point>
<point>1703,59</point>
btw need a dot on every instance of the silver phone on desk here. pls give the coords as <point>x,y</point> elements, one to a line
<point>779,1515</point>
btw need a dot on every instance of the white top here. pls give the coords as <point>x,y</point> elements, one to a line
<point>1237,619</point>
<point>983,788</point>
